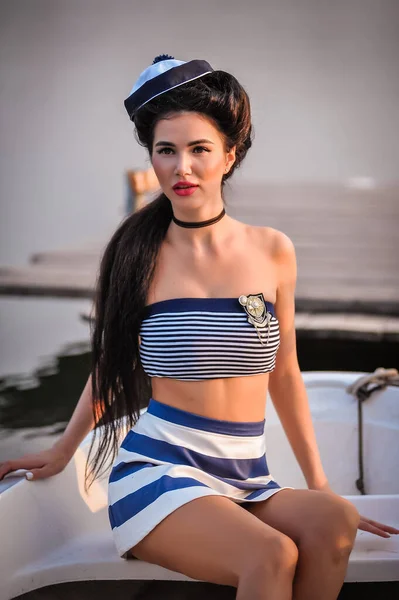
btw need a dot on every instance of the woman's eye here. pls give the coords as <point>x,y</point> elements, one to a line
<point>164,150</point>
<point>202,148</point>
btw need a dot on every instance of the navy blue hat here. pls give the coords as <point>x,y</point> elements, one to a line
<point>163,75</point>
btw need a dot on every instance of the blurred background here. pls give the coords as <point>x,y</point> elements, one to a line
<point>323,81</point>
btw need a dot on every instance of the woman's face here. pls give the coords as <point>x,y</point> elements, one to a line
<point>189,149</point>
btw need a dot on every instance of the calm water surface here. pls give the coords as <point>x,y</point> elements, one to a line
<point>44,363</point>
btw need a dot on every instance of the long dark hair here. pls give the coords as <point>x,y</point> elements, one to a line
<point>120,387</point>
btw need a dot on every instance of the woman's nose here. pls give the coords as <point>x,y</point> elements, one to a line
<point>183,164</point>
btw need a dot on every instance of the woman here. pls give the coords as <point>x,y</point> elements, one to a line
<point>195,317</point>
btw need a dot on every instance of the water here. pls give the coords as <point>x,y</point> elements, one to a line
<point>34,330</point>
<point>44,363</point>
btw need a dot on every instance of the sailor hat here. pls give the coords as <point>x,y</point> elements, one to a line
<point>163,75</point>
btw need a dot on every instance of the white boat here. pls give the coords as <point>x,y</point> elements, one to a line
<point>52,532</point>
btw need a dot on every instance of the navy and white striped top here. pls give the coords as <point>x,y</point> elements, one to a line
<point>192,339</point>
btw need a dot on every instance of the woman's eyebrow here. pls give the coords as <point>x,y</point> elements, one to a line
<point>203,141</point>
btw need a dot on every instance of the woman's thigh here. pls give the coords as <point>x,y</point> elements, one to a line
<point>302,514</point>
<point>213,539</point>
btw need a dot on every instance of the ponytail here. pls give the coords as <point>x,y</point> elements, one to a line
<point>120,387</point>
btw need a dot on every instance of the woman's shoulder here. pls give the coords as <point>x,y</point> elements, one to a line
<point>277,243</point>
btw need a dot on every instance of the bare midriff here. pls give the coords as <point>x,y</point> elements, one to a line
<point>241,399</point>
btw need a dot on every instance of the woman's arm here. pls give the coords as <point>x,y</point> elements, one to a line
<point>80,424</point>
<point>286,386</point>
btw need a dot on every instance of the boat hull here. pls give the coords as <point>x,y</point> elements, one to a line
<point>56,533</point>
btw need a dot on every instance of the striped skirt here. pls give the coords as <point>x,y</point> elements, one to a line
<point>171,457</point>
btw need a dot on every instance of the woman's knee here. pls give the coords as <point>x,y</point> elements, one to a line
<point>343,519</point>
<point>334,528</point>
<point>273,557</point>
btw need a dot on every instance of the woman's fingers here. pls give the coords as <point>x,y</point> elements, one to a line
<point>387,528</point>
<point>41,473</point>
<point>28,463</point>
<point>17,473</point>
<point>377,528</point>
<point>371,529</point>
<point>35,472</point>
<point>9,466</point>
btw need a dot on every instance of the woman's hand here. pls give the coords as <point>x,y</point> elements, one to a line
<point>366,524</point>
<point>39,466</point>
<point>376,528</point>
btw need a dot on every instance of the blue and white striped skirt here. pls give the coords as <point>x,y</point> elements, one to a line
<point>171,457</point>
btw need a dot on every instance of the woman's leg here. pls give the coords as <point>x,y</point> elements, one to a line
<point>323,526</point>
<point>213,539</point>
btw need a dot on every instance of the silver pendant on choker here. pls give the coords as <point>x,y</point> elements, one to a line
<point>258,315</point>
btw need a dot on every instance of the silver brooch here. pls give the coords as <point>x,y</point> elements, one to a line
<point>258,315</point>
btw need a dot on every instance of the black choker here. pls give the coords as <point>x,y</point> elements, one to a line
<point>199,223</point>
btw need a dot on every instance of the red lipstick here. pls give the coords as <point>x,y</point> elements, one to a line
<point>184,188</point>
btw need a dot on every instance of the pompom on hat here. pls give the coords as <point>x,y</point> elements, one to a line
<point>163,75</point>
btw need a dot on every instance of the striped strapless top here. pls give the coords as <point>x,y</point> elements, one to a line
<point>192,339</point>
